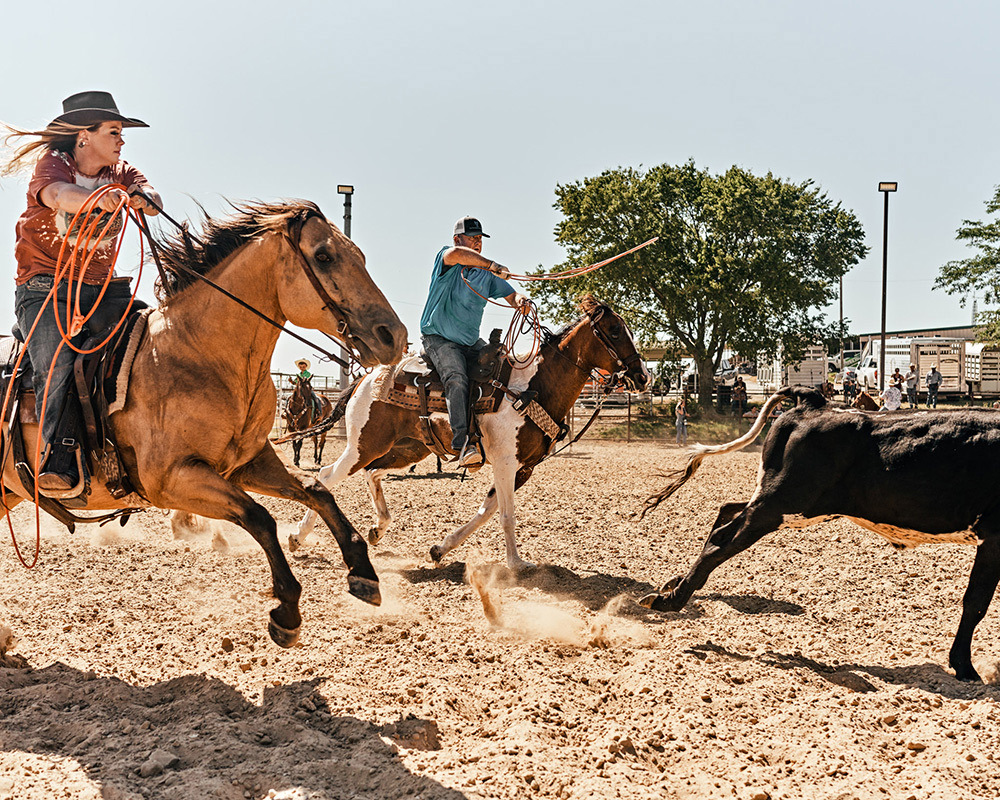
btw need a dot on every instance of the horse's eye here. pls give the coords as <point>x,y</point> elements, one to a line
<point>616,331</point>
<point>323,257</point>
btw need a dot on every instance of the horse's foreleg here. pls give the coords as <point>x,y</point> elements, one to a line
<point>266,474</point>
<point>503,477</point>
<point>329,476</point>
<point>198,489</point>
<point>459,535</point>
<point>382,516</point>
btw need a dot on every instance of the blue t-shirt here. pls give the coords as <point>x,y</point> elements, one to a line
<point>453,310</point>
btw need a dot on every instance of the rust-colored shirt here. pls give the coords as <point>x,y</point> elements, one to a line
<point>41,230</point>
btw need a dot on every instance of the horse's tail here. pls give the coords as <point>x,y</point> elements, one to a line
<point>699,452</point>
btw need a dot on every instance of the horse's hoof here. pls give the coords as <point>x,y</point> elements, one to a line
<point>374,535</point>
<point>658,602</point>
<point>437,553</point>
<point>283,637</point>
<point>521,566</point>
<point>669,586</point>
<point>294,542</point>
<point>364,589</point>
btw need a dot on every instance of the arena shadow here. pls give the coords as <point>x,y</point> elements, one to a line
<point>209,740</point>
<point>752,604</point>
<point>928,676</point>
<point>593,591</point>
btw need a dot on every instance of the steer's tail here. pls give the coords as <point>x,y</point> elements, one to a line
<point>700,451</point>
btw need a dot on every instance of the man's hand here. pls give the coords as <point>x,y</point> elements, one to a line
<point>521,302</point>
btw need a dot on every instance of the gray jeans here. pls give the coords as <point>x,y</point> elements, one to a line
<point>46,339</point>
<point>450,359</point>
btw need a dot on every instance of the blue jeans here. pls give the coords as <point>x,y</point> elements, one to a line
<point>682,431</point>
<point>44,342</point>
<point>450,359</point>
<point>932,390</point>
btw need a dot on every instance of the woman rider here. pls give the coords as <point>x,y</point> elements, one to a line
<point>75,154</point>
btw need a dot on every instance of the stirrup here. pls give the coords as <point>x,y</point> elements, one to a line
<point>72,491</point>
<point>472,456</point>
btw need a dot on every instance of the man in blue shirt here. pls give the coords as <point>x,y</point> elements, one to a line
<point>450,323</point>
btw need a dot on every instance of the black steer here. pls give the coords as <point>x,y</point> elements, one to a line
<point>913,477</point>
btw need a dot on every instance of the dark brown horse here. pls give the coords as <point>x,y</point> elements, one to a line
<point>305,409</point>
<point>193,432</point>
<point>381,437</point>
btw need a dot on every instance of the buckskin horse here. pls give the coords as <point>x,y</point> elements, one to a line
<point>306,408</point>
<point>193,432</point>
<point>381,436</point>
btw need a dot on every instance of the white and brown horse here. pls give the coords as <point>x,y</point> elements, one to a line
<point>381,437</point>
<point>305,409</point>
<point>193,432</point>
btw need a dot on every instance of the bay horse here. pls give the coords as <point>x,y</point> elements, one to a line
<point>305,408</point>
<point>381,437</point>
<point>193,432</point>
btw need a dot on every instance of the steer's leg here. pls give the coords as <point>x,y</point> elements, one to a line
<point>982,585</point>
<point>731,535</point>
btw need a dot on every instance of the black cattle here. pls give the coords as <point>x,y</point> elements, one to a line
<point>913,477</point>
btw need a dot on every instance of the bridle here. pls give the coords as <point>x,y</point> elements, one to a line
<point>294,237</point>
<point>624,365</point>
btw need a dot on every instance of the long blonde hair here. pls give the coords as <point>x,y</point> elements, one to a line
<point>59,136</point>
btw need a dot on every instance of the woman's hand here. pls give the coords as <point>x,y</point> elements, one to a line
<point>110,201</point>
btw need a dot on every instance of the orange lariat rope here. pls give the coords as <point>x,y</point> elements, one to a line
<point>89,217</point>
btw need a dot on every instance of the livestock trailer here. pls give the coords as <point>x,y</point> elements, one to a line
<point>982,369</point>
<point>773,373</point>
<point>924,351</point>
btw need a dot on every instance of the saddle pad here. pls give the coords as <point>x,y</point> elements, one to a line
<point>120,369</point>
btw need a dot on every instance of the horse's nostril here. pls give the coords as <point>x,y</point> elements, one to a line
<point>384,334</point>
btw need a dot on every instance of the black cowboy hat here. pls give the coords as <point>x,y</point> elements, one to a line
<point>91,108</point>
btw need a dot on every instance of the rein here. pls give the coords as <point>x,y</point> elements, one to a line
<point>342,327</point>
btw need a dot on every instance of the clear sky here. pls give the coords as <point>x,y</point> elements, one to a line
<point>435,109</point>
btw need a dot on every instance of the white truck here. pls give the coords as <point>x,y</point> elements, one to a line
<point>810,371</point>
<point>924,351</point>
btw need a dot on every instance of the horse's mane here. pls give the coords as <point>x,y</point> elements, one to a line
<point>588,304</point>
<point>220,237</point>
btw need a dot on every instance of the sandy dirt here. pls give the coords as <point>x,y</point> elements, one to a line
<point>814,665</point>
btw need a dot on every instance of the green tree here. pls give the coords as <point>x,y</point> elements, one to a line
<point>979,273</point>
<point>742,261</point>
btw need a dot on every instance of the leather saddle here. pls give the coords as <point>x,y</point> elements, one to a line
<point>83,424</point>
<point>417,386</point>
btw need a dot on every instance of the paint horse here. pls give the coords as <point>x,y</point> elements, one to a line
<point>382,436</point>
<point>305,409</point>
<point>193,432</point>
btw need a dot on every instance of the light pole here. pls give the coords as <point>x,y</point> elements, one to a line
<point>885,187</point>
<point>348,192</point>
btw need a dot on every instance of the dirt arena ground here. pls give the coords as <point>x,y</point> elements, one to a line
<point>813,666</point>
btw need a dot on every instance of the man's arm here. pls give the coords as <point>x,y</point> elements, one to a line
<point>468,257</point>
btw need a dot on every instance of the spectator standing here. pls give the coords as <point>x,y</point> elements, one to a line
<point>933,379</point>
<point>897,380</point>
<point>911,386</point>
<point>739,398</point>
<point>682,421</point>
